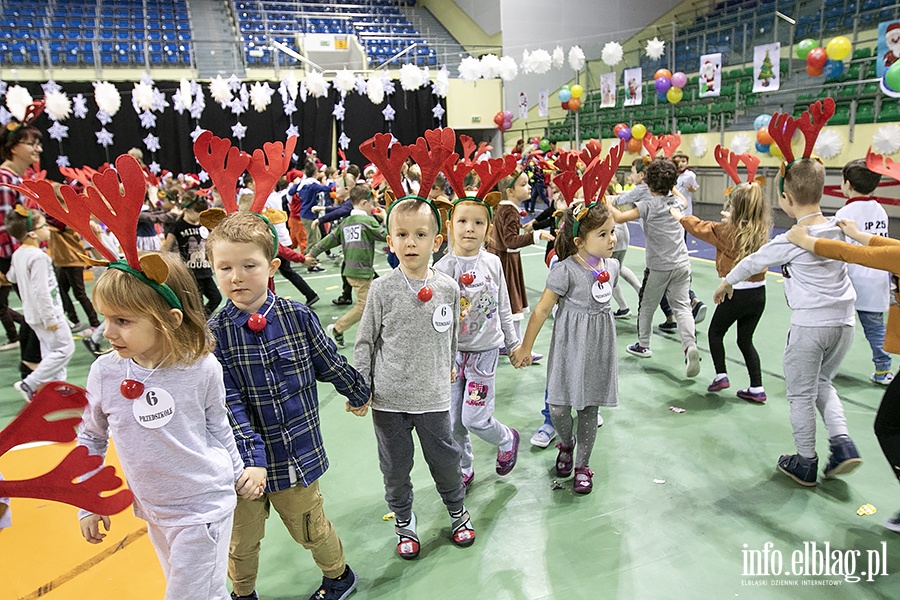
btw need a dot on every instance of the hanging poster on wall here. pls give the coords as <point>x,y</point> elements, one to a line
<point>608,90</point>
<point>888,46</point>
<point>544,103</point>
<point>523,105</point>
<point>710,80</point>
<point>631,79</point>
<point>766,67</point>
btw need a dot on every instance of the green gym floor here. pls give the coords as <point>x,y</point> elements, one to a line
<point>684,504</point>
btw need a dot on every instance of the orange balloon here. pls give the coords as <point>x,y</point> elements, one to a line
<point>574,103</point>
<point>634,145</point>
<point>763,136</point>
<point>662,73</point>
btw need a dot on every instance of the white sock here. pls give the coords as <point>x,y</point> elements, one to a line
<point>756,390</point>
<point>720,376</point>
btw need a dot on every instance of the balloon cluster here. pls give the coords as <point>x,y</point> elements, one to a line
<point>631,135</point>
<point>765,143</point>
<point>827,61</point>
<point>503,120</point>
<point>570,97</point>
<point>669,86</point>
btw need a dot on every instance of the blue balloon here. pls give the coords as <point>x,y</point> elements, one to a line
<point>762,148</point>
<point>662,97</point>
<point>564,95</point>
<point>761,121</point>
<point>833,69</point>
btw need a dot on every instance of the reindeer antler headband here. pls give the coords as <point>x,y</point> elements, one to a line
<point>882,165</point>
<point>489,172</point>
<point>667,143</point>
<point>596,178</point>
<point>811,122</point>
<point>729,162</point>
<point>115,198</point>
<point>225,165</point>
<point>32,112</point>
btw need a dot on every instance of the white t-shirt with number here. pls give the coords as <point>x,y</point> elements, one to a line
<point>872,286</point>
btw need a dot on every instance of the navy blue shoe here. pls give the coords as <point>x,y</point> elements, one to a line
<point>800,469</point>
<point>844,456</point>
<point>336,589</point>
<point>252,596</point>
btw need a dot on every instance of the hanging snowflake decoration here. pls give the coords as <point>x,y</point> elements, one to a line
<point>887,139</point>
<point>51,87</point>
<point>316,84</point>
<point>470,69</point>
<point>540,61</point>
<point>142,97</point>
<point>152,142</point>
<point>58,106</point>
<point>261,96</point>
<point>196,133</point>
<point>388,83</point>
<point>148,119</point>
<point>388,113</point>
<point>104,117</point>
<point>438,112</point>
<point>199,102</point>
<point>104,138</point>
<point>238,130</point>
<point>828,144</point>
<point>576,58</point>
<point>292,130</point>
<point>558,57</point>
<point>360,85</point>
<point>203,176</point>
<point>375,88</point>
<point>234,83</point>
<point>17,101</point>
<point>344,81</point>
<point>509,69</point>
<point>107,97</point>
<point>425,75</point>
<point>290,107</point>
<point>612,53</point>
<point>237,106</point>
<point>655,48</point>
<point>739,144</point>
<point>343,141</point>
<point>442,83</point>
<point>338,111</point>
<point>220,91</point>
<point>159,102</point>
<point>699,146</point>
<point>62,161</point>
<point>154,167</point>
<point>526,62</point>
<point>58,131</point>
<point>79,106</point>
<point>410,77</point>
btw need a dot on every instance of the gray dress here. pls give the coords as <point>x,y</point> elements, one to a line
<point>582,369</point>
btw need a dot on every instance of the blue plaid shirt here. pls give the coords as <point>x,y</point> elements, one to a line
<point>270,387</point>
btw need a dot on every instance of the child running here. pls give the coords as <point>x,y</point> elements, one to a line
<point>744,230</point>
<point>485,324</point>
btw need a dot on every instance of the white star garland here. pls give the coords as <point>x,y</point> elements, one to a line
<point>438,111</point>
<point>292,130</point>
<point>104,138</point>
<point>103,117</point>
<point>655,48</point>
<point>338,111</point>
<point>58,131</point>
<point>154,167</point>
<point>234,83</point>
<point>62,161</point>
<point>203,176</point>
<point>79,106</point>
<point>152,142</point>
<point>196,133</point>
<point>344,141</point>
<point>261,96</point>
<point>238,130</point>
<point>51,87</point>
<point>388,113</point>
<point>148,119</point>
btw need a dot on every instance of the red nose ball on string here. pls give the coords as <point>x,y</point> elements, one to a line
<point>131,389</point>
<point>256,322</point>
<point>523,213</point>
<point>424,294</point>
<point>603,276</point>
<point>467,278</point>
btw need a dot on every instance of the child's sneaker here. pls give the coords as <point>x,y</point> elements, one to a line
<point>22,388</point>
<point>336,589</point>
<point>718,385</point>
<point>564,460</point>
<point>536,357</point>
<point>882,377</point>
<point>599,420</point>
<point>9,346</point>
<point>668,327</point>
<point>622,313</point>
<point>893,523</point>
<point>844,456</point>
<point>639,350</point>
<point>543,436</point>
<point>251,596</point>
<point>691,362</point>
<point>407,539</point>
<point>800,469</point>
<point>461,531</point>
<point>699,312</point>
<point>583,482</point>
<point>758,397</point>
<point>507,460</point>
<point>337,335</point>
<point>468,478</point>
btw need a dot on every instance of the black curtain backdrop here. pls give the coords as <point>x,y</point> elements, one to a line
<point>315,122</point>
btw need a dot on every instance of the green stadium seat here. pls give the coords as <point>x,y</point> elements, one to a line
<point>865,114</point>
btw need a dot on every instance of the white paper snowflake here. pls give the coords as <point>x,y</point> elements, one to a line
<point>142,97</point>
<point>612,53</point>
<point>151,142</point>
<point>220,91</point>
<point>62,161</point>
<point>438,111</point>
<point>343,141</point>
<point>316,84</point>
<point>509,69</point>
<point>57,105</point>
<point>79,106</point>
<point>261,96</point>
<point>654,48</point>
<point>540,61</point>
<point>292,131</point>
<point>490,66</point>
<point>375,89</point>
<point>338,111</point>
<point>238,130</point>
<point>58,131</point>
<point>699,146</point>
<point>558,57</point>
<point>828,144</point>
<point>388,113</point>
<point>344,81</point>
<point>104,138</point>
<point>148,119</point>
<point>886,139</point>
<point>17,101</point>
<point>442,83</point>
<point>410,77</point>
<point>470,69</point>
<point>154,167</point>
<point>739,144</point>
<point>576,58</point>
<point>107,97</point>
<point>159,102</point>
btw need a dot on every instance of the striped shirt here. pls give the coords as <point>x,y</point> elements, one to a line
<point>270,388</point>
<point>356,235</point>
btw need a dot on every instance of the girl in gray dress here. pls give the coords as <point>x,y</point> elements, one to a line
<point>582,370</point>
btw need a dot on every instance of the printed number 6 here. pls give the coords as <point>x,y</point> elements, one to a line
<point>152,400</point>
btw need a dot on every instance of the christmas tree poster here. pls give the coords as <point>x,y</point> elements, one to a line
<point>766,67</point>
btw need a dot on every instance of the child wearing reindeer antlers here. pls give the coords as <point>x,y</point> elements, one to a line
<point>406,346</point>
<point>821,299</point>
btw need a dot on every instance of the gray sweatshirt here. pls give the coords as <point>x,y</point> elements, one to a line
<point>666,250</point>
<point>486,321</point>
<point>33,271</point>
<point>182,462</point>
<point>406,348</point>
<point>817,290</point>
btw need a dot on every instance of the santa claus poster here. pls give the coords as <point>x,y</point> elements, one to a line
<point>888,46</point>
<point>631,79</point>
<point>766,68</point>
<point>607,90</point>
<point>710,75</point>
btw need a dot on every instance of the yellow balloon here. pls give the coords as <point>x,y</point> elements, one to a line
<point>775,151</point>
<point>674,95</point>
<point>576,90</point>
<point>838,48</point>
<point>638,131</point>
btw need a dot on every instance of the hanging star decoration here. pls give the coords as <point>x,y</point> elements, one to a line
<point>62,160</point>
<point>51,87</point>
<point>58,131</point>
<point>388,113</point>
<point>290,107</point>
<point>654,48</point>
<point>203,176</point>
<point>292,131</point>
<point>237,107</point>
<point>196,133</point>
<point>178,103</point>
<point>199,102</point>
<point>389,86</point>
<point>146,79</point>
<point>441,83</point>
<point>338,111</point>
<point>148,119</point>
<point>234,83</point>
<point>238,130</point>
<point>104,138</point>
<point>154,167</point>
<point>360,85</point>
<point>79,106</point>
<point>104,117</point>
<point>152,142</point>
<point>344,141</point>
<point>438,111</point>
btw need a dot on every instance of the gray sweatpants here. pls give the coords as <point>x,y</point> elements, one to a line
<point>393,433</point>
<point>676,284</point>
<point>811,359</point>
<point>472,404</point>
<point>194,558</point>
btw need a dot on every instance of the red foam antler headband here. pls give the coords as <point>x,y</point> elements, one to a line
<point>430,153</point>
<point>266,167</point>
<point>882,165</point>
<point>387,158</point>
<point>668,143</point>
<point>599,173</point>
<point>52,416</point>
<point>568,181</point>
<point>224,163</point>
<point>729,162</point>
<point>782,127</point>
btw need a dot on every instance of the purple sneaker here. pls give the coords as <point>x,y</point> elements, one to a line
<point>718,385</point>
<point>507,460</point>
<point>749,396</point>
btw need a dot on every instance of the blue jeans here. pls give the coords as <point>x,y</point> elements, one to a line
<point>873,326</point>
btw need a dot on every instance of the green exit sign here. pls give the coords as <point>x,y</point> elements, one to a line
<point>476,119</point>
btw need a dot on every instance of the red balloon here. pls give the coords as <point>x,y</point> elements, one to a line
<point>634,145</point>
<point>817,58</point>
<point>574,104</point>
<point>618,128</point>
<point>813,71</point>
<point>498,118</point>
<point>565,105</point>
